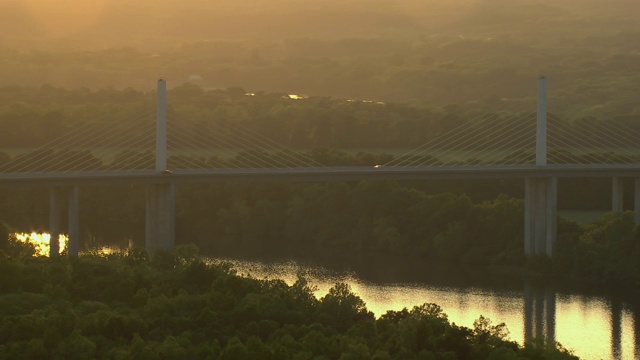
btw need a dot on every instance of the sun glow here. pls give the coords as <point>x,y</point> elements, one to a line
<point>41,241</point>
<point>62,17</point>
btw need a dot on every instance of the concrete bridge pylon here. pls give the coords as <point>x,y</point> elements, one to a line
<point>56,194</point>
<point>54,221</point>
<point>541,193</point>
<point>160,204</point>
<point>540,212</point>
<point>160,217</point>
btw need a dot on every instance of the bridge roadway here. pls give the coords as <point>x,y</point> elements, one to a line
<point>319,174</point>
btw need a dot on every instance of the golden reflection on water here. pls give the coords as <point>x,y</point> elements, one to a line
<point>41,241</point>
<point>590,326</point>
<point>583,324</point>
<point>587,323</point>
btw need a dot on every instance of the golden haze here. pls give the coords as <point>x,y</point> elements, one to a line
<point>62,17</point>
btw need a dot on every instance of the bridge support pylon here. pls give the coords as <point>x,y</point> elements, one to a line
<point>55,208</point>
<point>54,221</point>
<point>73,246</point>
<point>540,216</point>
<point>161,197</point>
<point>617,195</point>
<point>541,193</point>
<point>636,201</point>
<point>160,217</point>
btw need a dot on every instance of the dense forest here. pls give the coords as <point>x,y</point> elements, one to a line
<point>176,306</point>
<point>427,221</point>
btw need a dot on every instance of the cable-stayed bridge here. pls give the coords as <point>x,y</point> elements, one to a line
<point>161,150</point>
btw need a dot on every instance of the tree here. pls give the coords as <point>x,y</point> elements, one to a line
<point>234,350</point>
<point>341,308</point>
<point>77,347</point>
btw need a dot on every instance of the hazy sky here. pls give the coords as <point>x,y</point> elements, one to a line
<point>123,22</point>
<point>31,22</point>
<point>375,49</point>
<point>62,17</point>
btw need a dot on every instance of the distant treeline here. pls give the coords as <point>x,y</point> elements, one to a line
<point>177,306</point>
<point>458,221</point>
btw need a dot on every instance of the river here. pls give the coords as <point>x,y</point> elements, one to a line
<point>592,323</point>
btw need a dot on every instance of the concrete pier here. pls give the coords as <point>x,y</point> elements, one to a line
<point>540,216</point>
<point>617,194</point>
<point>54,221</point>
<point>73,246</point>
<point>160,217</point>
<point>56,202</point>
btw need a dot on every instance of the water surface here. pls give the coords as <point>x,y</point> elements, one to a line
<point>594,326</point>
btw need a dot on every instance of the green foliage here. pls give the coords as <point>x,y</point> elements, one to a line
<point>222,317</point>
<point>341,308</point>
<point>607,250</point>
<point>11,247</point>
<point>489,338</point>
<point>76,346</point>
<point>4,235</point>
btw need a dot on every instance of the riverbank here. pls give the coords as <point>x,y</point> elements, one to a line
<point>380,268</point>
<point>175,306</point>
<point>596,323</point>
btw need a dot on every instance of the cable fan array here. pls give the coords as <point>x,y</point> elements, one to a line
<point>129,145</point>
<point>99,145</point>
<point>592,142</point>
<point>226,144</point>
<point>499,139</point>
<point>493,138</point>
<point>504,139</point>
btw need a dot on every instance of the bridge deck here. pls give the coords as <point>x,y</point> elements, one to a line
<point>346,173</point>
